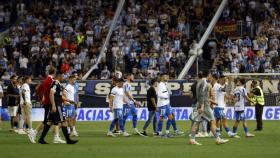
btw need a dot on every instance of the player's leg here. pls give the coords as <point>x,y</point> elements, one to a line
<point>161,117</point>
<point>235,125</point>
<point>155,120</point>
<point>126,112</point>
<point>169,115</point>
<point>47,125</point>
<point>193,131</point>
<point>133,111</point>
<point>147,123</point>
<point>245,127</point>
<point>195,117</point>
<point>121,125</point>
<point>59,121</point>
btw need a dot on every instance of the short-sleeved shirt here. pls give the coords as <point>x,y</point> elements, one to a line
<point>13,90</point>
<point>26,93</point>
<point>219,91</point>
<point>127,89</point>
<point>47,83</point>
<point>151,93</point>
<point>118,94</point>
<point>70,92</point>
<point>57,88</point>
<point>240,94</point>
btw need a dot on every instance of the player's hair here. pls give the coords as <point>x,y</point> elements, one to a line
<point>215,76</point>
<point>13,77</point>
<point>52,70</point>
<point>120,80</point>
<point>242,81</point>
<point>128,74</point>
<point>26,78</point>
<point>153,81</point>
<point>205,73</point>
<point>254,82</point>
<point>199,74</point>
<point>72,76</point>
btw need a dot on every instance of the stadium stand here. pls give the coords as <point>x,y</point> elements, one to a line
<point>150,37</point>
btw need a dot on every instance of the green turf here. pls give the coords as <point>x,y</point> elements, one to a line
<point>94,143</point>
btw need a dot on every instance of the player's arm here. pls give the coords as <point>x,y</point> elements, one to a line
<point>64,98</point>
<point>200,97</point>
<point>162,92</point>
<point>1,92</point>
<point>23,93</point>
<point>52,91</point>
<point>154,102</point>
<point>111,98</point>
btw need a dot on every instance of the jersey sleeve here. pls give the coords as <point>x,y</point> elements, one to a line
<point>126,88</point>
<point>113,92</point>
<point>245,92</point>
<point>162,91</point>
<point>54,86</point>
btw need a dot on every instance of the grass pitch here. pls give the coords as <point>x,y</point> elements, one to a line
<point>93,143</point>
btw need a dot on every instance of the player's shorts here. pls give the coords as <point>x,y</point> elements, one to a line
<point>195,116</point>
<point>57,117</point>
<point>26,110</point>
<point>69,111</point>
<point>129,109</point>
<point>208,113</point>
<point>118,113</point>
<point>13,110</point>
<point>240,116</point>
<point>219,113</point>
<point>165,111</point>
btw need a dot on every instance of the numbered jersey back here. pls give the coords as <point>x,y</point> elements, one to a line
<point>240,94</point>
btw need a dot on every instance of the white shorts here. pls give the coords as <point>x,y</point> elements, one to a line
<point>13,110</point>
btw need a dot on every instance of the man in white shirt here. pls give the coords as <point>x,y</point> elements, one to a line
<point>26,105</point>
<point>239,96</point>
<point>163,104</point>
<point>219,97</point>
<point>130,103</point>
<point>69,108</point>
<point>116,102</point>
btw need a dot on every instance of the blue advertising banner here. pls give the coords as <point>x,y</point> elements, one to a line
<point>181,113</point>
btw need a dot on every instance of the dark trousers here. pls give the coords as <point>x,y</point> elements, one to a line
<point>259,112</point>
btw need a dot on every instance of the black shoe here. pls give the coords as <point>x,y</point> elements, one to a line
<point>72,141</point>
<point>258,130</point>
<point>42,142</point>
<point>144,133</point>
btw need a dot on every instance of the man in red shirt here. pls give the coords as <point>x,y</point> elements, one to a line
<point>46,87</point>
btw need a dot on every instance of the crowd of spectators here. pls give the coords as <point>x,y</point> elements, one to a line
<point>150,37</point>
<point>257,51</point>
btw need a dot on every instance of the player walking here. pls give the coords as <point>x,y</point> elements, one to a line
<point>130,103</point>
<point>116,107</point>
<point>55,115</point>
<point>239,96</point>
<point>203,109</point>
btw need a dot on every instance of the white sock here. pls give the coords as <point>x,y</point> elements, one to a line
<point>74,128</point>
<point>69,129</point>
<point>159,132</point>
<point>167,131</point>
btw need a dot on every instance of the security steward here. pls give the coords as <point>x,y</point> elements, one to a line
<point>257,94</point>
